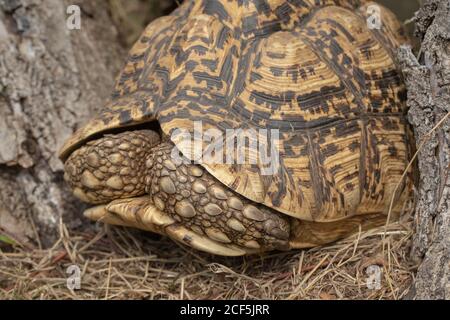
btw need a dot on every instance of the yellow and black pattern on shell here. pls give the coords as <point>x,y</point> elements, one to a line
<point>310,68</point>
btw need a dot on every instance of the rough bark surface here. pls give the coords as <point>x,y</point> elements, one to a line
<point>428,81</point>
<point>51,80</point>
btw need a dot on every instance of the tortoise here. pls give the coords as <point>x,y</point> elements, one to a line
<point>313,74</point>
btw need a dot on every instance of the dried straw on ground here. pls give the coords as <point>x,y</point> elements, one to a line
<point>120,263</point>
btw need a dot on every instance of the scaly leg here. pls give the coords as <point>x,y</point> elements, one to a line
<point>182,201</point>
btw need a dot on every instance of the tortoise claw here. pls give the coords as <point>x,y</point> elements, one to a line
<point>142,214</point>
<point>134,212</point>
<point>203,243</point>
<point>99,213</point>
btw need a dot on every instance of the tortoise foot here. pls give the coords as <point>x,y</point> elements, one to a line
<point>206,209</point>
<point>111,167</point>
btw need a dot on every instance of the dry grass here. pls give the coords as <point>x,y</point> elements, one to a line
<point>119,263</point>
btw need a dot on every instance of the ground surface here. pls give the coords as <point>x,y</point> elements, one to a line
<point>119,263</point>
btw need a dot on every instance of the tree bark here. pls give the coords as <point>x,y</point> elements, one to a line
<point>428,82</point>
<point>52,79</point>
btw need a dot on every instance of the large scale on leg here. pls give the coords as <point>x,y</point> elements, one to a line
<point>313,70</point>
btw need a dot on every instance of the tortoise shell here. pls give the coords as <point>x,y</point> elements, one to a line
<point>312,69</point>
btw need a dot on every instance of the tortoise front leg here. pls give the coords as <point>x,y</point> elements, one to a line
<point>147,190</point>
<point>203,205</point>
<point>111,167</point>
<point>142,214</point>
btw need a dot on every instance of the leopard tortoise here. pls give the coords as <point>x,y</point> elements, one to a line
<point>314,71</point>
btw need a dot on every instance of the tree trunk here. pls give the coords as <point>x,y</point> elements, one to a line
<point>428,82</point>
<point>52,79</point>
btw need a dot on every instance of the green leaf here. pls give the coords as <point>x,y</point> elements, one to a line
<point>7,240</point>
